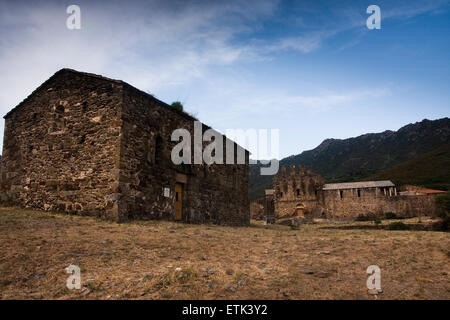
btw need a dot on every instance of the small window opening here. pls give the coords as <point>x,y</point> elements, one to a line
<point>60,109</point>
<point>359,193</point>
<point>298,192</point>
<point>84,106</point>
<point>82,139</point>
<point>159,150</point>
<point>341,194</point>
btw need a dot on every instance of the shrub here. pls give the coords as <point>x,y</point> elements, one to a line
<point>442,225</point>
<point>362,217</point>
<point>398,226</point>
<point>443,204</point>
<point>177,105</point>
<point>391,215</point>
<point>294,227</point>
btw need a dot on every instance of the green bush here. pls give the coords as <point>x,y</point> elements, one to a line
<point>443,205</point>
<point>362,217</point>
<point>398,226</point>
<point>177,105</point>
<point>391,215</point>
<point>443,208</point>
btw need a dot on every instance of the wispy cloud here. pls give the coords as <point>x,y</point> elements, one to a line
<point>303,44</point>
<point>201,48</point>
<point>280,103</point>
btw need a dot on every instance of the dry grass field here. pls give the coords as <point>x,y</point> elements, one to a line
<point>166,260</point>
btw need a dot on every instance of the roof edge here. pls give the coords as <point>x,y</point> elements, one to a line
<point>125,84</point>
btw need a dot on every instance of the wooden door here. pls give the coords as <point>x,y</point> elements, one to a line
<point>178,201</point>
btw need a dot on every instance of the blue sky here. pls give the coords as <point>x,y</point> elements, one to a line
<point>311,69</point>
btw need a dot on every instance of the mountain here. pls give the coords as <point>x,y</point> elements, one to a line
<point>429,170</point>
<point>353,159</point>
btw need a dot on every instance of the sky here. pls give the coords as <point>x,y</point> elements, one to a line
<point>311,69</point>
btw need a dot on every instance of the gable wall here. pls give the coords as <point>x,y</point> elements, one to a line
<point>61,144</point>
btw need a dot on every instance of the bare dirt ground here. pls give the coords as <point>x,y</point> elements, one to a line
<point>166,260</point>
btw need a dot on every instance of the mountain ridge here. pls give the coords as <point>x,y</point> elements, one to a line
<point>357,158</point>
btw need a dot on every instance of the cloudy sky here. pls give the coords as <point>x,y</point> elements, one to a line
<point>311,69</point>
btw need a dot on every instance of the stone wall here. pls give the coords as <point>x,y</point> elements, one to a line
<point>257,209</point>
<point>301,190</point>
<point>211,193</point>
<point>90,145</point>
<point>61,146</point>
<point>373,201</point>
<point>300,193</point>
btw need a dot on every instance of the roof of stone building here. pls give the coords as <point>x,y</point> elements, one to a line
<point>430,191</point>
<point>125,84</point>
<point>92,75</point>
<point>358,185</point>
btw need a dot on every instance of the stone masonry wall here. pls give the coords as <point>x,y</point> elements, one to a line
<point>90,145</point>
<point>211,193</point>
<point>300,189</point>
<point>61,146</point>
<point>375,202</point>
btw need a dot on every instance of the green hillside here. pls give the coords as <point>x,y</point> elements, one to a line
<point>430,170</point>
<point>356,159</point>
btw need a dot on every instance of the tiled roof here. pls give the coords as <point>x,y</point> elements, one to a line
<point>358,185</point>
<point>430,191</point>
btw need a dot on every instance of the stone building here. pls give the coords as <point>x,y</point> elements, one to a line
<point>304,193</point>
<point>299,191</point>
<point>86,144</point>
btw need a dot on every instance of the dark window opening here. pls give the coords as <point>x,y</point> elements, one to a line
<point>281,195</point>
<point>84,106</point>
<point>82,139</point>
<point>359,193</point>
<point>341,194</point>
<point>159,150</point>
<point>60,109</point>
<point>298,192</point>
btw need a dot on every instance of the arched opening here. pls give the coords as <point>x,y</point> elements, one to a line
<point>300,210</point>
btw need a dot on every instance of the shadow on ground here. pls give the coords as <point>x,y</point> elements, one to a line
<point>437,226</point>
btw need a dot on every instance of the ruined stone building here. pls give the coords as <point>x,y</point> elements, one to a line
<point>297,192</point>
<point>86,144</point>
<point>304,193</point>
